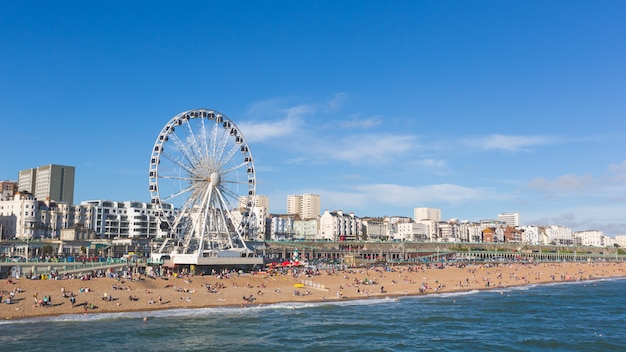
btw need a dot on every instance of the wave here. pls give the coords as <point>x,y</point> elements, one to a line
<point>456,294</point>
<point>198,312</point>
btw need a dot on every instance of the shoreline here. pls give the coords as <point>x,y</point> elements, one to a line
<point>112,295</point>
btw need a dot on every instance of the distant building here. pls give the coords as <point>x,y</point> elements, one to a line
<point>375,229</point>
<point>53,182</point>
<point>18,216</point>
<point>413,231</point>
<point>258,215</point>
<point>510,219</point>
<point>260,201</point>
<point>281,227</point>
<point>592,238</point>
<point>306,229</point>
<point>307,206</point>
<point>620,240</point>
<point>427,214</point>
<point>337,226</point>
<point>531,235</point>
<point>128,219</point>
<point>559,235</point>
<point>7,189</point>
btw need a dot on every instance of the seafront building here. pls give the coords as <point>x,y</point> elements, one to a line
<point>7,189</point>
<point>559,235</point>
<point>53,182</point>
<point>25,217</point>
<point>592,238</point>
<point>620,240</point>
<point>510,219</point>
<point>306,229</point>
<point>427,214</point>
<point>306,206</point>
<point>337,226</point>
<point>128,219</point>
<point>281,227</point>
<point>259,214</point>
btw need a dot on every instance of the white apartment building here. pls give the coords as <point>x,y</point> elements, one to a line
<point>531,235</point>
<point>281,228</point>
<point>392,226</point>
<point>620,240</point>
<point>259,213</point>
<point>375,229</point>
<point>412,232</point>
<point>307,206</point>
<point>337,226</point>
<point>510,219</point>
<point>470,232</point>
<point>591,238</point>
<point>559,235</point>
<point>306,229</point>
<point>426,214</point>
<point>18,217</point>
<point>25,217</point>
<point>431,230</point>
<point>127,219</point>
<point>447,231</point>
<point>54,217</point>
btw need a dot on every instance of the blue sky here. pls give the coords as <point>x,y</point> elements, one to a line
<point>473,107</point>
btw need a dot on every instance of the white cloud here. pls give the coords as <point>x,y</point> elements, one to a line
<point>410,196</point>
<point>355,122</point>
<point>368,148</point>
<point>618,173</point>
<point>267,130</point>
<point>433,164</point>
<point>336,102</point>
<point>510,143</point>
<point>564,183</point>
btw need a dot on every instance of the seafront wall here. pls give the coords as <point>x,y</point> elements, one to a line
<point>406,252</point>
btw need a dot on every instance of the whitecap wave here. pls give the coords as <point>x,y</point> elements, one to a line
<point>198,312</point>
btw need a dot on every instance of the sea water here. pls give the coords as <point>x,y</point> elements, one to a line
<point>576,316</point>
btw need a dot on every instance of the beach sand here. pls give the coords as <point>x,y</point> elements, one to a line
<point>92,296</point>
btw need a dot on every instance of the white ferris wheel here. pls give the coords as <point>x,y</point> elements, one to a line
<point>201,166</point>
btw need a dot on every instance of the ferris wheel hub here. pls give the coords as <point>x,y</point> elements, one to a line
<point>215,179</point>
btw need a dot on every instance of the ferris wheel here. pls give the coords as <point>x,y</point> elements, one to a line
<point>202,183</point>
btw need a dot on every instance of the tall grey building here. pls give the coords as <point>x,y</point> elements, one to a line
<point>307,206</point>
<point>49,182</point>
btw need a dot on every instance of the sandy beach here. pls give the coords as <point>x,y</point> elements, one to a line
<point>33,298</point>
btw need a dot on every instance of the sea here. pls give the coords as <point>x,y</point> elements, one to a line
<point>574,316</point>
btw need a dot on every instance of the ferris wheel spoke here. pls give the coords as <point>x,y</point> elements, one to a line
<point>233,150</point>
<point>213,142</point>
<point>204,140</point>
<point>194,146</point>
<point>178,194</point>
<point>178,162</point>
<point>222,146</point>
<point>184,149</point>
<point>190,202</point>
<point>225,206</point>
<point>230,194</point>
<point>235,168</point>
<point>180,178</point>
